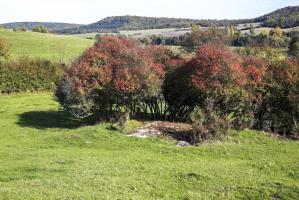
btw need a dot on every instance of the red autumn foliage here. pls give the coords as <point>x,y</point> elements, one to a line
<point>215,69</point>
<point>254,69</point>
<point>122,63</point>
<point>285,72</point>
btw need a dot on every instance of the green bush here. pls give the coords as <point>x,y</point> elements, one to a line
<point>4,50</point>
<point>207,124</point>
<point>279,110</point>
<point>123,119</point>
<point>27,74</point>
<point>294,46</point>
<point>40,29</point>
<point>23,29</point>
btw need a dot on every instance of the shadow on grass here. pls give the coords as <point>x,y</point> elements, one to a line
<point>178,135</point>
<point>48,119</point>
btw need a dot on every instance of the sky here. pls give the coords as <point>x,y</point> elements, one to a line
<point>89,11</point>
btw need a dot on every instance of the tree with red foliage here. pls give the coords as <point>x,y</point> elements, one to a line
<point>216,69</point>
<point>215,73</point>
<point>279,111</point>
<point>118,73</point>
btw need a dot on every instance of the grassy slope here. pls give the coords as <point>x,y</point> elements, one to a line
<point>49,46</point>
<point>43,156</point>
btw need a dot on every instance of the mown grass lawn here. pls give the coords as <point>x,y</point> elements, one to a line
<point>48,46</point>
<point>43,155</point>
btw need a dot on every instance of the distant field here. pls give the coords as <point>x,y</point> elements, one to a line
<point>142,33</point>
<point>172,32</point>
<point>259,30</point>
<point>49,46</point>
<point>247,25</point>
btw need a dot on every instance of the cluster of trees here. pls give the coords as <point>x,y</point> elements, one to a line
<point>120,75</point>
<point>22,29</point>
<point>260,93</point>
<point>275,38</point>
<point>200,37</point>
<point>162,40</point>
<point>40,29</point>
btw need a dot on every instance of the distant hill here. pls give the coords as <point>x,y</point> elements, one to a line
<point>117,23</point>
<point>52,26</point>
<point>287,17</point>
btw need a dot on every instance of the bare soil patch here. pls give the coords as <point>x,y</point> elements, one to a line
<point>167,130</point>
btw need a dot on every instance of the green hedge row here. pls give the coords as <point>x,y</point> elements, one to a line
<point>27,74</point>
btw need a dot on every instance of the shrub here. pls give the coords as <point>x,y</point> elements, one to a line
<point>246,103</point>
<point>234,83</point>
<point>23,29</point>
<point>123,119</point>
<point>40,29</point>
<point>294,46</point>
<point>278,32</point>
<point>279,110</point>
<point>207,124</point>
<point>214,72</point>
<point>20,29</point>
<point>4,50</point>
<point>25,74</point>
<point>116,73</point>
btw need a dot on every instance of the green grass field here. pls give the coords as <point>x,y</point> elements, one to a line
<point>44,155</point>
<point>48,46</point>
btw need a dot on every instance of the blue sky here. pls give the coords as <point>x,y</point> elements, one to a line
<point>88,11</point>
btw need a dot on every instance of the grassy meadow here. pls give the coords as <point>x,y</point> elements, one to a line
<point>44,154</point>
<point>48,46</point>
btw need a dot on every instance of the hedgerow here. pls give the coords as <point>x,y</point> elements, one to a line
<point>27,74</point>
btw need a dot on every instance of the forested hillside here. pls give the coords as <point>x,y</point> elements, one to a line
<point>51,26</point>
<point>117,23</point>
<point>285,18</point>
